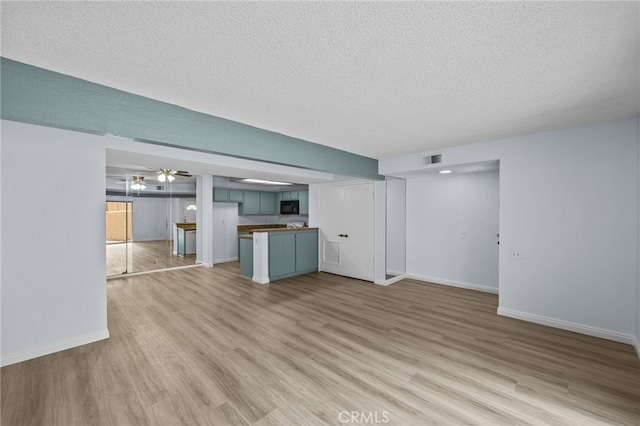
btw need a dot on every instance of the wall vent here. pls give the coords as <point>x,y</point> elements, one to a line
<point>331,252</point>
<point>430,159</point>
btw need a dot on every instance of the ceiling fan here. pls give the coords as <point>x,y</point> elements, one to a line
<point>168,175</point>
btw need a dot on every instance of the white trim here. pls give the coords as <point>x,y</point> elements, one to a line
<point>452,283</point>
<point>260,280</point>
<point>133,274</point>
<point>636,345</point>
<point>570,326</point>
<point>225,260</point>
<point>54,347</point>
<point>390,281</point>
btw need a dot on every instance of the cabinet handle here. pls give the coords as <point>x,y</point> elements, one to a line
<point>343,235</point>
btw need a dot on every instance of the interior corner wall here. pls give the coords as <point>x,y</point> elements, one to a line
<point>53,251</point>
<point>454,221</point>
<point>637,342</point>
<point>569,205</point>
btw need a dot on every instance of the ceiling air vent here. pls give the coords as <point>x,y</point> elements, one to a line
<point>430,159</point>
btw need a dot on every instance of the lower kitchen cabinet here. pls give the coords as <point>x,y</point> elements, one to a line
<point>245,255</point>
<point>292,253</point>
<point>282,254</point>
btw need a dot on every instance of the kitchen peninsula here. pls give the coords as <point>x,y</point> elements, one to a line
<point>185,239</point>
<point>274,252</point>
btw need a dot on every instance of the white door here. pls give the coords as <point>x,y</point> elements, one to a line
<point>346,222</point>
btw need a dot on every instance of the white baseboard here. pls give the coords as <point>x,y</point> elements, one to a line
<point>636,345</point>
<point>452,283</point>
<point>398,277</point>
<point>225,260</point>
<point>260,280</point>
<point>54,347</point>
<point>570,326</point>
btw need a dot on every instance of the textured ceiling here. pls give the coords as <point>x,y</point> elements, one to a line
<point>377,79</point>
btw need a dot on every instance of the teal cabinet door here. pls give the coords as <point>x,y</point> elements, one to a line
<point>293,195</point>
<point>246,256</point>
<point>286,196</point>
<point>220,194</point>
<point>282,254</point>
<point>306,251</point>
<point>251,203</point>
<point>303,196</point>
<point>236,196</point>
<point>268,203</point>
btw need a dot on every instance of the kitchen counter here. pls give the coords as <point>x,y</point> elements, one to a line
<point>270,254</point>
<point>245,228</point>
<point>302,228</point>
<point>186,226</point>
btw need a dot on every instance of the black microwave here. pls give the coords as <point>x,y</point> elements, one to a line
<point>290,207</point>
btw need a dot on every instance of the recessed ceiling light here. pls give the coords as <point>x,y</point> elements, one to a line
<point>264,182</point>
<point>445,171</point>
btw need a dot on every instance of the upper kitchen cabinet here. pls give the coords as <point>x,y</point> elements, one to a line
<point>220,194</point>
<point>303,196</point>
<point>289,195</point>
<point>224,195</point>
<point>236,196</point>
<point>268,203</point>
<point>252,201</point>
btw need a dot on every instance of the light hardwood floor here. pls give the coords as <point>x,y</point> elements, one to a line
<point>207,347</point>
<point>146,256</point>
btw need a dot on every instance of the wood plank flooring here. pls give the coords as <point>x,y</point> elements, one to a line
<point>146,256</point>
<point>206,347</point>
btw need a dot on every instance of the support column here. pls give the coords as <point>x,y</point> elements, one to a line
<point>261,257</point>
<point>204,220</point>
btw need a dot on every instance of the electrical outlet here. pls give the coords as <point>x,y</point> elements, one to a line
<point>515,254</point>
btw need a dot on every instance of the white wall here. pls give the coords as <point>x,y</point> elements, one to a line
<point>396,226</point>
<point>453,222</point>
<point>637,342</point>
<point>53,251</point>
<point>283,219</point>
<point>225,232</point>
<point>569,204</point>
<point>149,219</point>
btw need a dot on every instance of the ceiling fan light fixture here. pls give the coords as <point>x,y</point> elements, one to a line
<point>138,183</point>
<point>170,178</point>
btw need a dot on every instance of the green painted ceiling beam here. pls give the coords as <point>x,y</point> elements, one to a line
<point>39,96</point>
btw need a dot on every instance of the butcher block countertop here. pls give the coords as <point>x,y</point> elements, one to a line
<point>247,228</point>
<point>300,228</point>
<point>186,226</point>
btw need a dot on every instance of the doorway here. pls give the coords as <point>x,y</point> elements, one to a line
<point>140,228</point>
<point>346,221</point>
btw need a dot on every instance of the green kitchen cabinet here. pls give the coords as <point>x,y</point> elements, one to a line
<point>251,203</point>
<point>303,196</point>
<point>236,196</point>
<point>292,253</point>
<point>306,251</point>
<point>246,256</point>
<point>282,255</point>
<point>220,194</point>
<point>268,203</point>
<point>289,195</point>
